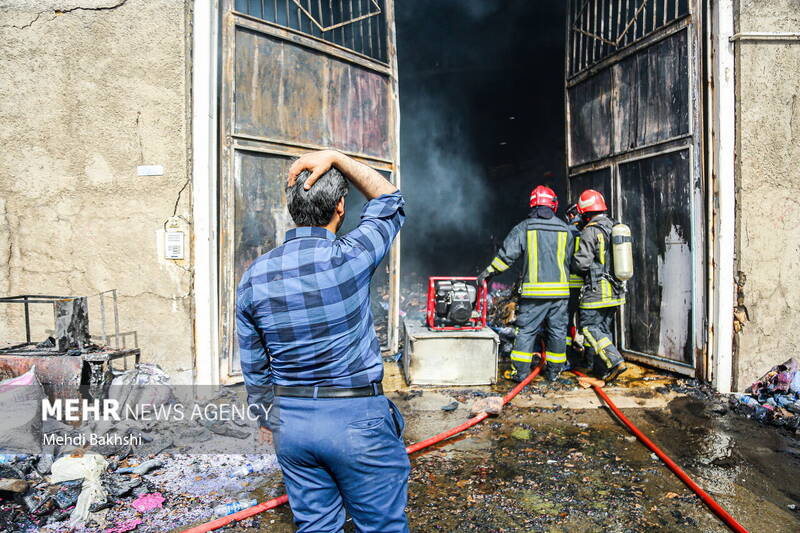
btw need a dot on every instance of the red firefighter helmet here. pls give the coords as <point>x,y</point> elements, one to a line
<point>591,201</point>
<point>545,196</point>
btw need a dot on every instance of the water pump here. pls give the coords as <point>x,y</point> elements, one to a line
<point>456,303</point>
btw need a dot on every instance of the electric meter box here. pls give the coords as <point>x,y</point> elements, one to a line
<point>446,358</point>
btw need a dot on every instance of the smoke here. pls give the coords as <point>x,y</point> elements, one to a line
<point>437,151</point>
<point>482,123</point>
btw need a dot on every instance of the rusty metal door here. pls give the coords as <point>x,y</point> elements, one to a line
<point>634,133</point>
<point>297,75</point>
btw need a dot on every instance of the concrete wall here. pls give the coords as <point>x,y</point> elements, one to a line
<point>90,90</point>
<point>768,192</point>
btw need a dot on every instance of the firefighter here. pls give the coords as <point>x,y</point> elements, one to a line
<point>575,356</point>
<point>602,293</point>
<point>546,244</point>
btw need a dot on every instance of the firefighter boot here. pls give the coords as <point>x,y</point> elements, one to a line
<point>553,371</point>
<point>615,372</point>
<point>518,372</point>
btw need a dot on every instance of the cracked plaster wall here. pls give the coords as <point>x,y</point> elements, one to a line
<point>768,186</point>
<point>90,90</point>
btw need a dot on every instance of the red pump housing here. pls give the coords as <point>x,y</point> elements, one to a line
<point>477,319</point>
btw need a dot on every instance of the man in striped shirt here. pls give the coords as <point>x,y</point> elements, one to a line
<point>310,356</point>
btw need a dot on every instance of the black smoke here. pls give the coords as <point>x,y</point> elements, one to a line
<point>482,123</point>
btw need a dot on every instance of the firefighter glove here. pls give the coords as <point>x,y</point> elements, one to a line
<point>486,275</point>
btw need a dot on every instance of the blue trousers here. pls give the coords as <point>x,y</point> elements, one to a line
<point>342,453</point>
<point>535,316</point>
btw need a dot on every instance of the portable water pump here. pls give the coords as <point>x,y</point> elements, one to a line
<point>456,303</point>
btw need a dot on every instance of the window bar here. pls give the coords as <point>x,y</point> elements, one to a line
<point>353,30</point>
<point>361,30</point>
<point>625,20</point>
<point>640,27</point>
<point>368,22</point>
<point>334,34</point>
<point>582,37</point>
<point>595,41</point>
<point>379,36</point>
<point>587,40</point>
<point>340,30</point>
<point>573,37</point>
<point>275,11</point>
<point>664,18</point>
<point>590,44</point>
<point>655,12</point>
<point>602,28</point>
<point>619,23</point>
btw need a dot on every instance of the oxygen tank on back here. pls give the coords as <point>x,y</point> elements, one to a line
<point>622,251</point>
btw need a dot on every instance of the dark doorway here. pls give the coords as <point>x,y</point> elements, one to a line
<point>482,107</point>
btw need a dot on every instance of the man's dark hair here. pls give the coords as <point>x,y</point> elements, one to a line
<point>316,206</point>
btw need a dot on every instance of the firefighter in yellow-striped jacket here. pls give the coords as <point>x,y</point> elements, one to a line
<point>602,293</point>
<point>575,352</point>
<point>545,242</point>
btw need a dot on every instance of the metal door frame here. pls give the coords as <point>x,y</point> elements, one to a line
<point>231,142</point>
<point>692,141</point>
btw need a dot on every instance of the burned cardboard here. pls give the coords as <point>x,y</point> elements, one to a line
<point>72,324</point>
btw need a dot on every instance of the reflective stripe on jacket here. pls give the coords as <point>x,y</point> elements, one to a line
<point>547,245</point>
<point>575,280</point>
<point>595,250</point>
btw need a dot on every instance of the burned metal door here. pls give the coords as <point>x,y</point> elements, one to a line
<point>297,76</point>
<point>633,115</point>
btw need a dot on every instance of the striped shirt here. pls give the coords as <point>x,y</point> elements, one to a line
<point>303,315</point>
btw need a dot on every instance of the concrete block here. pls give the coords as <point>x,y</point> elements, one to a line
<point>449,357</point>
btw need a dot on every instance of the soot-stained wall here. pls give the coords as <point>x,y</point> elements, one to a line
<point>482,123</point>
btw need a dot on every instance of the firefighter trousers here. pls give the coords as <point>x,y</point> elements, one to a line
<point>574,353</point>
<point>598,341</point>
<point>534,317</point>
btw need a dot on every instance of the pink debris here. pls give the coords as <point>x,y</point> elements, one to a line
<point>122,527</point>
<point>148,502</point>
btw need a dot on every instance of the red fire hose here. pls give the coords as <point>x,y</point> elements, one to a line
<point>677,470</point>
<point>715,507</point>
<point>277,502</point>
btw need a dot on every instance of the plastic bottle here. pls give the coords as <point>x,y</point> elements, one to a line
<point>224,509</point>
<point>746,399</point>
<point>247,469</point>
<point>6,458</point>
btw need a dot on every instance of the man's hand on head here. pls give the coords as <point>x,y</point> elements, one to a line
<point>317,163</point>
<point>366,179</point>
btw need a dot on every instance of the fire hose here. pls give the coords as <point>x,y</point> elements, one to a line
<point>715,507</point>
<point>277,502</point>
<point>677,470</point>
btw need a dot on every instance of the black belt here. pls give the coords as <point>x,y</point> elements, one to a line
<point>376,389</point>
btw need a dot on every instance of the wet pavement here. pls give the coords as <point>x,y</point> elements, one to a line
<point>546,464</point>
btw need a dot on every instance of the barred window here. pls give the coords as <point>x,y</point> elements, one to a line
<point>599,28</point>
<point>358,25</point>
